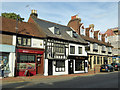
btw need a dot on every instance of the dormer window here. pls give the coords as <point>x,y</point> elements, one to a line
<point>99,36</point>
<point>70,33</point>
<point>75,35</point>
<point>55,30</point>
<point>82,30</point>
<point>106,40</point>
<point>91,34</point>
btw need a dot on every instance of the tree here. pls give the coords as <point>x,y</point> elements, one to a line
<point>13,16</point>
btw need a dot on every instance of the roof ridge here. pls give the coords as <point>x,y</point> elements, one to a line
<point>50,22</point>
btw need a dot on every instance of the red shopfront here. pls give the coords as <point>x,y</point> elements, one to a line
<point>31,60</point>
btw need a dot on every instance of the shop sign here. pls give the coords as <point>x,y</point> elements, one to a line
<point>7,48</point>
<point>30,51</point>
<point>37,43</point>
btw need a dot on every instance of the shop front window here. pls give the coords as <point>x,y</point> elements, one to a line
<point>79,65</point>
<point>26,58</point>
<point>60,66</point>
<point>5,59</point>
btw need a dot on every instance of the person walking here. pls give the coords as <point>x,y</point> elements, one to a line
<point>2,69</point>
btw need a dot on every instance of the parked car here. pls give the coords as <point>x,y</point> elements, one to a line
<point>106,68</point>
<point>116,66</point>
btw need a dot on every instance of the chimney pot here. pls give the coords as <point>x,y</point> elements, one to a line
<point>34,13</point>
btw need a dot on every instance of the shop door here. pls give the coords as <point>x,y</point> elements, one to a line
<point>38,65</point>
<point>50,67</point>
<point>70,67</point>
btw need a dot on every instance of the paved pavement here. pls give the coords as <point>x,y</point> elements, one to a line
<point>24,78</point>
<point>86,80</point>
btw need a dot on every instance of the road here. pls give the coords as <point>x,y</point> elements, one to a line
<point>102,80</point>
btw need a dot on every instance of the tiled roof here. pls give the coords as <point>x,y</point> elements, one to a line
<point>25,28</point>
<point>44,25</point>
<point>95,41</point>
<point>75,23</point>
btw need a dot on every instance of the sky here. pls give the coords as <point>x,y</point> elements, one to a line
<point>103,15</point>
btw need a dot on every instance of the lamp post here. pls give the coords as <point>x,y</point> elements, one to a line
<point>16,28</point>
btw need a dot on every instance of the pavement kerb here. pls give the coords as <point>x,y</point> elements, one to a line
<point>23,79</point>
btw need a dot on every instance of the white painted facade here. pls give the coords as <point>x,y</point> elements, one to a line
<point>84,53</point>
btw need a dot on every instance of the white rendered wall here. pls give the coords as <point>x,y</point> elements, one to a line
<point>11,64</point>
<point>45,67</point>
<point>84,53</point>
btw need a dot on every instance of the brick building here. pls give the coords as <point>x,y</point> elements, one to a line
<point>99,50</point>
<point>114,38</point>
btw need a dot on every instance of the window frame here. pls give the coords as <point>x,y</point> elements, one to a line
<point>62,66</point>
<point>79,50</point>
<point>22,41</point>
<point>72,50</point>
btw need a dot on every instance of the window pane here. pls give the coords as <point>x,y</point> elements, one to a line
<point>72,49</point>
<point>23,58</point>
<point>60,65</point>
<point>97,60</point>
<point>80,50</point>
<point>94,59</point>
<point>19,41</point>
<point>28,42</point>
<point>24,41</point>
<point>79,65</point>
<point>31,58</point>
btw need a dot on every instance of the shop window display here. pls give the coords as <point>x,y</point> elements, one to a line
<point>5,59</point>
<point>79,65</point>
<point>60,66</point>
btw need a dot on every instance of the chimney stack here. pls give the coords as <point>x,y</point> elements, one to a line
<point>91,26</point>
<point>34,13</point>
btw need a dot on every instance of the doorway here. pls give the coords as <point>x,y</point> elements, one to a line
<point>50,67</point>
<point>38,65</point>
<point>70,67</point>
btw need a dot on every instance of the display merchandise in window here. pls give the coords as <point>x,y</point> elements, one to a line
<point>60,66</point>
<point>79,65</point>
<point>5,59</point>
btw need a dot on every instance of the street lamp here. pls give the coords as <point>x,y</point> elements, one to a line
<point>16,28</point>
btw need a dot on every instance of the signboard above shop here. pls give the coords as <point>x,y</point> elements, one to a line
<point>37,43</point>
<point>30,51</point>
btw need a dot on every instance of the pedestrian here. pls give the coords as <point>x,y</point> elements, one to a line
<point>2,69</point>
